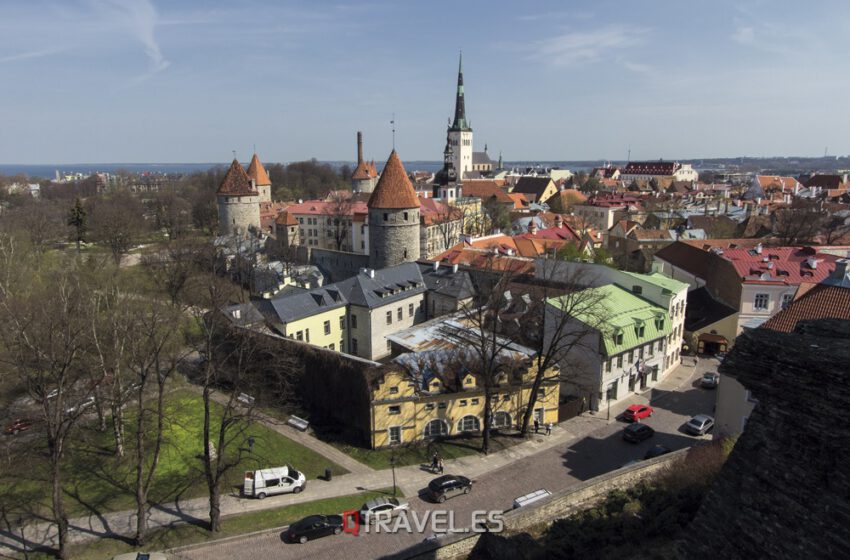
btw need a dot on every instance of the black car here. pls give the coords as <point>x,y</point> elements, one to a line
<point>657,451</point>
<point>637,432</point>
<point>448,486</point>
<point>313,527</point>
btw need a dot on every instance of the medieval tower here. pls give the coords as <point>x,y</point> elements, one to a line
<point>460,133</point>
<point>258,174</point>
<point>393,218</point>
<point>365,175</point>
<point>238,202</point>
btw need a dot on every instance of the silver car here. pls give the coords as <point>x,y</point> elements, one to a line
<point>699,424</point>
<point>381,508</point>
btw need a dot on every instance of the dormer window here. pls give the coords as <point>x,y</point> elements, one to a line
<point>659,322</point>
<point>618,337</point>
<point>640,329</point>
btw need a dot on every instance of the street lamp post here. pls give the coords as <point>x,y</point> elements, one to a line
<point>392,466</point>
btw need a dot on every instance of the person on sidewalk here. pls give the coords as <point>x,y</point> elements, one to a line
<point>440,465</point>
<point>536,426</point>
<point>549,429</point>
<point>435,462</point>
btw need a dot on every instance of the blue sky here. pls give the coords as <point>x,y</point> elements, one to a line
<point>190,81</point>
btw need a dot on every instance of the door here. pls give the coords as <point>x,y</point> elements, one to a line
<point>539,414</point>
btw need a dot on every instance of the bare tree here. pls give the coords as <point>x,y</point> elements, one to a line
<point>117,222</point>
<point>339,214</point>
<point>799,222</point>
<point>45,332</point>
<point>448,221</point>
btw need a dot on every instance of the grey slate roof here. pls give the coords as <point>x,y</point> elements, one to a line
<point>388,285</point>
<point>532,185</point>
<point>248,315</point>
<point>480,158</point>
<point>293,306</point>
<point>443,281</point>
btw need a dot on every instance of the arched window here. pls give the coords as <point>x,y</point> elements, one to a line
<point>436,428</point>
<point>469,424</point>
<point>501,419</point>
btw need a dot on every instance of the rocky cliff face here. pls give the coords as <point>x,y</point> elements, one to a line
<point>785,489</point>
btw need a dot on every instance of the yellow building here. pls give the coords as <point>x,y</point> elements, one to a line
<point>406,407</point>
<point>315,316</point>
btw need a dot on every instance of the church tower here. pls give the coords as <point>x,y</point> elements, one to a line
<point>258,174</point>
<point>393,218</point>
<point>238,202</point>
<point>460,133</point>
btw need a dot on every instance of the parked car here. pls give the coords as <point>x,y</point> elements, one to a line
<point>448,486</point>
<point>699,424</point>
<point>710,380</point>
<point>87,402</point>
<point>657,451</point>
<point>278,480</point>
<point>637,432</point>
<point>381,508</point>
<point>19,425</point>
<point>637,411</point>
<point>141,556</point>
<point>314,527</point>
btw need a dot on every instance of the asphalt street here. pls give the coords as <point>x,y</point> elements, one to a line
<point>554,469</point>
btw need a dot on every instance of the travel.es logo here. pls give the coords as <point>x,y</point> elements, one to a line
<point>436,522</point>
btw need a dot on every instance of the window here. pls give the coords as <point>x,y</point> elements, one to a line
<point>410,310</point>
<point>429,406</point>
<point>501,419</point>
<point>618,337</point>
<point>389,346</point>
<point>786,300</point>
<point>436,428</point>
<point>640,353</point>
<point>608,366</point>
<point>405,253</point>
<point>651,348</point>
<point>464,402</point>
<point>396,409</point>
<point>389,317</point>
<point>394,390</point>
<point>441,405</point>
<point>506,397</point>
<point>299,335</point>
<point>342,323</point>
<point>399,314</point>
<point>620,361</point>
<point>541,394</point>
<point>332,346</point>
<point>353,321</point>
<point>386,217</point>
<point>631,357</point>
<point>354,346</point>
<point>469,424</point>
<point>307,335</point>
<point>637,289</point>
<point>475,401</point>
<point>761,301</point>
<point>405,216</point>
<point>395,435</point>
<point>639,330</point>
<point>327,327</point>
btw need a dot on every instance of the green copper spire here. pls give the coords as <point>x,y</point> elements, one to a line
<point>460,108</point>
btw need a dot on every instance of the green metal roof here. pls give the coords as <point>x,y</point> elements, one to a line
<point>660,280</point>
<point>623,312</point>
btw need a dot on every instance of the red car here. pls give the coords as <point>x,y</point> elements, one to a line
<point>19,425</point>
<point>637,411</point>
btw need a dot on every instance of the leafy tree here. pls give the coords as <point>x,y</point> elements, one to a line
<point>78,219</point>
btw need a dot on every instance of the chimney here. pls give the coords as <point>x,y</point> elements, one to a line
<point>532,227</point>
<point>454,268</point>
<point>759,249</point>
<point>436,266</point>
<point>812,262</point>
<point>559,221</point>
<point>359,147</point>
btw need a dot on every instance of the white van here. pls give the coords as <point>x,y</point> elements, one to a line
<point>532,497</point>
<point>278,480</point>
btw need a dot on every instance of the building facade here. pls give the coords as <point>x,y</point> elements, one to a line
<point>393,218</point>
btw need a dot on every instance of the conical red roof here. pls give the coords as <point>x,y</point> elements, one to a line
<point>394,189</point>
<point>236,182</point>
<point>257,172</point>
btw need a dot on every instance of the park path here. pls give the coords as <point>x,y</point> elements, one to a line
<point>410,479</point>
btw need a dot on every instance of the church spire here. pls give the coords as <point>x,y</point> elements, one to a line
<point>460,108</point>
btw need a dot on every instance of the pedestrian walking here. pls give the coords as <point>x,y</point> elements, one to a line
<point>536,426</point>
<point>440,465</point>
<point>250,444</point>
<point>583,405</point>
<point>549,429</point>
<point>435,462</point>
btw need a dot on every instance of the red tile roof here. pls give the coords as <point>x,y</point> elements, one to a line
<point>365,170</point>
<point>323,207</point>
<point>486,190</point>
<point>286,219</point>
<point>257,172</point>
<point>236,182</point>
<point>784,265</point>
<point>820,302</point>
<point>394,189</point>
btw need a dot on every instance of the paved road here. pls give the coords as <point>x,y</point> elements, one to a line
<point>555,469</point>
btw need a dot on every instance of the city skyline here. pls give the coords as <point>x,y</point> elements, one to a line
<point>119,81</point>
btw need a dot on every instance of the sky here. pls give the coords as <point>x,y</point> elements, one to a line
<point>112,81</point>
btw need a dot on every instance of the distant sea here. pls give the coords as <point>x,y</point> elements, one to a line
<point>48,171</point>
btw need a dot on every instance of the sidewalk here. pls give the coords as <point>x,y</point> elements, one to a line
<point>410,479</point>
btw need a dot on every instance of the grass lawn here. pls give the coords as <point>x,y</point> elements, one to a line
<point>185,534</point>
<point>422,452</point>
<point>97,481</point>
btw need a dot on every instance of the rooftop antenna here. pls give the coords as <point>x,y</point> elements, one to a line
<point>392,122</point>
<point>234,154</point>
<point>629,159</point>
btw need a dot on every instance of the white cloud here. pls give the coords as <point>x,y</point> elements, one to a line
<point>581,47</point>
<point>30,55</point>
<point>744,34</point>
<point>141,18</point>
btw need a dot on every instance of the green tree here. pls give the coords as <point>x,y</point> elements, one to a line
<point>78,219</point>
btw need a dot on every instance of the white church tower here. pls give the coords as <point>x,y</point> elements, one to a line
<point>460,133</point>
